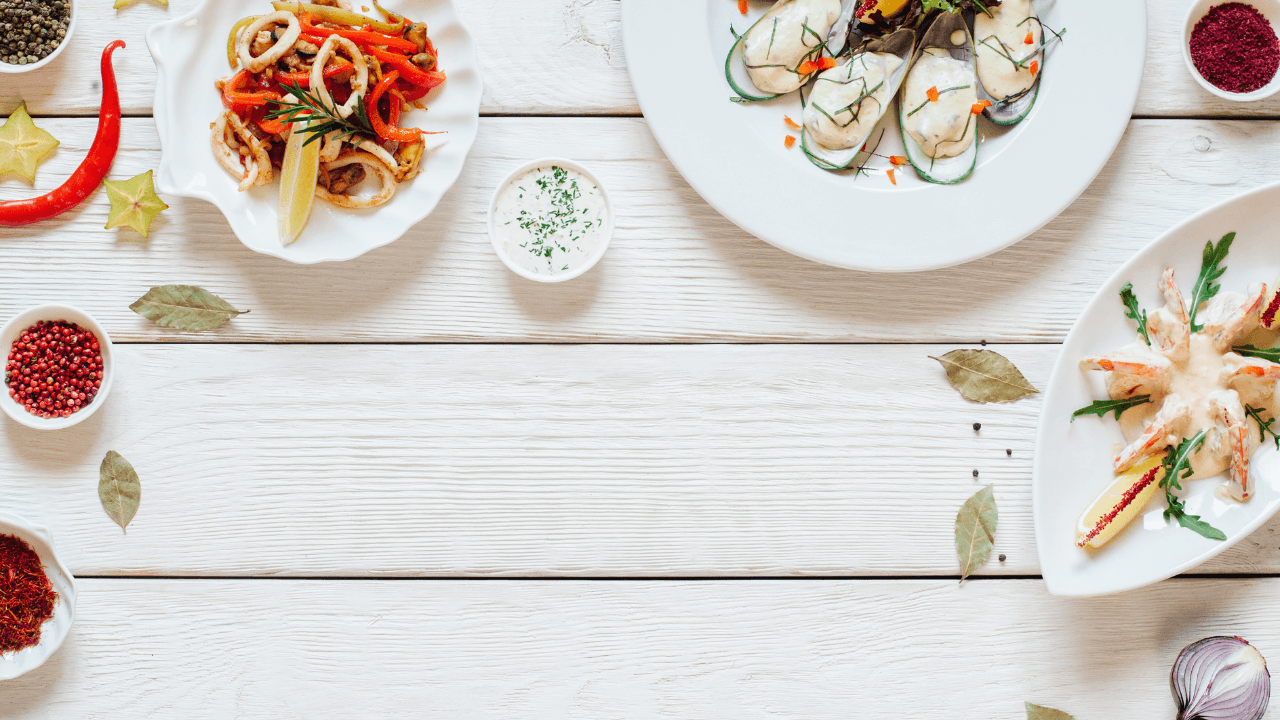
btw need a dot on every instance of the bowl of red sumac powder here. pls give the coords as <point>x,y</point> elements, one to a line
<point>1231,48</point>
<point>37,594</point>
<point>57,367</point>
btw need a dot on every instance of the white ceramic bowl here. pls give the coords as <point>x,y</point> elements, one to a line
<point>190,53</point>
<point>13,329</point>
<point>1270,9</point>
<point>55,630</point>
<point>587,264</point>
<point>7,68</point>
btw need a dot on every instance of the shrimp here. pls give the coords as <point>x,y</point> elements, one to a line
<point>1170,326</point>
<point>1131,370</point>
<point>1226,325</point>
<point>1236,367</point>
<point>1229,416</point>
<point>1159,434</point>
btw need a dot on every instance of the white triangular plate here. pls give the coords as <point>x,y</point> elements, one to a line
<point>1073,460</point>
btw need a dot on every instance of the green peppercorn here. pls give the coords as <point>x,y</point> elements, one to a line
<point>30,30</point>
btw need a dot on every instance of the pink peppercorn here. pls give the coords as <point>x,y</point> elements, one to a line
<point>54,369</point>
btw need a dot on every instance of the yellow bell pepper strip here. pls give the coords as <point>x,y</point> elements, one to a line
<point>339,16</point>
<point>233,58</point>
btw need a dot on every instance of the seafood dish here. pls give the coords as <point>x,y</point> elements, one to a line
<point>317,98</point>
<point>946,63</point>
<point>1194,395</point>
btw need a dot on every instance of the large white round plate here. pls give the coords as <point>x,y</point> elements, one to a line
<point>1073,460</point>
<point>733,154</point>
<point>191,53</point>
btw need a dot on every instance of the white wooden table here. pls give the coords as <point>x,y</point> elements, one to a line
<point>697,482</point>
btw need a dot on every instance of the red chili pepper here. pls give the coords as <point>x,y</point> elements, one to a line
<point>91,172</point>
<point>1030,39</point>
<point>979,106</point>
<point>410,72</point>
<point>791,123</point>
<point>790,141</point>
<point>359,36</point>
<point>742,6</point>
<point>234,99</point>
<point>826,63</point>
<point>303,77</point>
<point>892,179</point>
<point>932,94</point>
<point>1035,67</point>
<point>898,159</point>
<point>404,135</point>
<point>806,67</point>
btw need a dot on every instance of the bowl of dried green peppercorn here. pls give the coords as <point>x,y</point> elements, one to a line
<point>33,32</point>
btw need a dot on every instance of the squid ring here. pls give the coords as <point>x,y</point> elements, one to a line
<point>275,52</point>
<point>359,83</point>
<point>384,173</point>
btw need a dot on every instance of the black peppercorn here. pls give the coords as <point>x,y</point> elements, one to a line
<point>977,427</point>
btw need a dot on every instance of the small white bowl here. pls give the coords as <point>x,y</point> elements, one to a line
<point>14,328</point>
<point>1270,10</point>
<point>591,260</point>
<point>55,629</point>
<point>9,68</point>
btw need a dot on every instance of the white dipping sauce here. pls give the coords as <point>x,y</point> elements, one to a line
<point>550,220</point>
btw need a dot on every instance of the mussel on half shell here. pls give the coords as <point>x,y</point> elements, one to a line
<point>936,111</point>
<point>1009,46</point>
<point>764,62</point>
<point>847,101</point>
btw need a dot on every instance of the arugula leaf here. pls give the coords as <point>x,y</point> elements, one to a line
<point>1177,465</point>
<point>1211,269</point>
<point>1272,354</point>
<point>930,5</point>
<point>1264,426</point>
<point>1102,407</point>
<point>1133,312</point>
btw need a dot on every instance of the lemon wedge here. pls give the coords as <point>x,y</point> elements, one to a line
<point>297,184</point>
<point>1120,503</point>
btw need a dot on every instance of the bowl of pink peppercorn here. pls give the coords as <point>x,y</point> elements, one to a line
<point>58,366</point>
<point>1231,48</point>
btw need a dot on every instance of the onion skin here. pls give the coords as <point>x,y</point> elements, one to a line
<point>1221,678</point>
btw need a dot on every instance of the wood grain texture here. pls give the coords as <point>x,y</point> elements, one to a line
<point>358,461</point>
<point>716,650</point>
<point>676,272</point>
<point>579,66</point>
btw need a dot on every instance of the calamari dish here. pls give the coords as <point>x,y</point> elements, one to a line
<point>947,64</point>
<point>317,98</point>
<point>1194,395</point>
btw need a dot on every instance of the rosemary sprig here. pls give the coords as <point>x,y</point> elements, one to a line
<point>1211,269</point>
<point>1133,312</point>
<point>1177,465</point>
<point>1264,426</point>
<point>317,118</point>
<point>1102,407</point>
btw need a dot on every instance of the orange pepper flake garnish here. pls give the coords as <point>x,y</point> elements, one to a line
<point>932,93</point>
<point>892,179</point>
<point>898,159</point>
<point>742,6</point>
<point>979,106</point>
<point>791,123</point>
<point>1035,67</point>
<point>789,142</point>
<point>1029,39</point>
<point>826,63</point>
<point>806,67</point>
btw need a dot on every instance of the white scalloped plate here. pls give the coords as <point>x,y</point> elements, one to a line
<point>1073,460</point>
<point>55,630</point>
<point>733,154</point>
<point>191,53</point>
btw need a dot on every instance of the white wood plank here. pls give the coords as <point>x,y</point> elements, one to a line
<point>528,649</point>
<point>676,272</point>
<point>539,57</point>
<point>847,460</point>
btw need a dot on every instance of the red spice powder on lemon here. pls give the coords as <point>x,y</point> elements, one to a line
<point>1235,48</point>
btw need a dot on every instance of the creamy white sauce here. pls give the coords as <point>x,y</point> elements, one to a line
<point>1003,56</point>
<point>944,128</point>
<point>848,100</point>
<point>791,31</point>
<point>550,220</point>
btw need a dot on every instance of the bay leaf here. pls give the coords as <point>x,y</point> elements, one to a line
<point>985,376</point>
<point>976,530</point>
<point>185,307</point>
<point>1039,712</point>
<point>119,488</point>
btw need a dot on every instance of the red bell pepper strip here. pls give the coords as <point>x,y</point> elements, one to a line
<point>303,77</point>
<point>234,98</point>
<point>404,135</point>
<point>415,92</point>
<point>272,126</point>
<point>412,74</point>
<point>364,37</point>
<point>92,171</point>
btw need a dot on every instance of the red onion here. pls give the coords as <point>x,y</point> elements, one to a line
<point>1221,678</point>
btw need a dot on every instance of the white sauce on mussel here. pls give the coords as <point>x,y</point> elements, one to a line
<point>849,99</point>
<point>788,34</point>
<point>1000,42</point>
<point>941,128</point>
